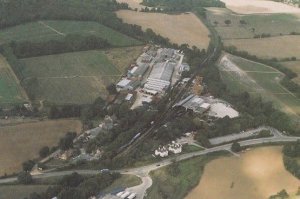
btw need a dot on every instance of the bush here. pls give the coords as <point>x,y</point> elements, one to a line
<point>236,147</point>
<point>44,152</point>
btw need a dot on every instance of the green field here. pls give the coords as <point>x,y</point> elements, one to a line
<point>53,30</point>
<point>20,191</point>
<point>71,78</point>
<point>243,75</point>
<point>274,24</point>
<point>10,90</point>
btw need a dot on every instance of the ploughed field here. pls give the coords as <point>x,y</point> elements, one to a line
<point>22,142</point>
<point>78,77</point>
<point>181,29</point>
<point>258,173</point>
<point>55,30</point>
<point>11,91</point>
<point>258,79</point>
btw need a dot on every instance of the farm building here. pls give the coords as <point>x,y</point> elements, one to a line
<point>138,71</point>
<point>162,152</point>
<point>175,147</point>
<point>127,84</point>
<point>160,76</point>
<point>194,103</point>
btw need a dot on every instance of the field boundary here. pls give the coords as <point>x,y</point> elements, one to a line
<point>51,28</point>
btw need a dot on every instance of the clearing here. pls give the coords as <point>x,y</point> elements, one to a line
<point>249,175</point>
<point>294,66</point>
<point>258,79</point>
<point>278,47</point>
<point>11,91</point>
<point>132,3</point>
<point>22,142</point>
<point>54,30</point>
<point>259,6</point>
<point>181,29</point>
<point>274,24</point>
<point>20,191</point>
<point>79,77</point>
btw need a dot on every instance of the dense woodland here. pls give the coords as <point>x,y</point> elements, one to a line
<point>291,158</point>
<point>182,5</point>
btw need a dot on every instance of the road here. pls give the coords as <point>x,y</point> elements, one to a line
<point>143,172</point>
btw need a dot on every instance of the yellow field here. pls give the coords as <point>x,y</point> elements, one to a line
<point>21,142</point>
<point>294,66</point>
<point>257,174</point>
<point>279,47</point>
<point>180,29</point>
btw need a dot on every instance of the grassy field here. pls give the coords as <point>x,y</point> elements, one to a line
<point>21,142</point>
<point>176,187</point>
<point>53,30</point>
<point>258,79</point>
<point>274,24</point>
<point>124,181</point>
<point>79,77</point>
<point>11,91</point>
<point>294,66</point>
<point>249,176</point>
<point>180,29</point>
<point>19,191</point>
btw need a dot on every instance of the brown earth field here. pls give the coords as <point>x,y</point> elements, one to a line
<point>294,66</point>
<point>278,47</point>
<point>256,174</point>
<point>181,29</point>
<point>22,142</point>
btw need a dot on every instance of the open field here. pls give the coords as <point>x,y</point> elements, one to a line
<point>11,91</point>
<point>132,3</point>
<point>257,174</point>
<point>53,30</point>
<point>243,75</point>
<point>79,77</point>
<point>20,191</point>
<point>166,185</point>
<point>274,24</point>
<point>294,66</point>
<point>259,6</point>
<point>182,28</point>
<point>278,47</point>
<point>21,142</point>
<point>123,57</point>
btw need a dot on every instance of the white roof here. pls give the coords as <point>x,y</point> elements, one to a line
<point>123,82</point>
<point>134,69</point>
<point>128,96</point>
<point>205,105</point>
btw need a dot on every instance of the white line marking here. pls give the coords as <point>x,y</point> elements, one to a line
<point>47,26</point>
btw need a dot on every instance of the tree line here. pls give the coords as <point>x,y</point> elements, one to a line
<point>291,156</point>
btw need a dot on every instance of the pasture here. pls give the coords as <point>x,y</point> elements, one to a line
<point>11,91</point>
<point>22,142</point>
<point>278,47</point>
<point>78,77</point>
<point>54,30</point>
<point>274,24</point>
<point>181,29</point>
<point>243,75</point>
<point>250,176</point>
<point>259,7</point>
<point>294,66</point>
<point>20,191</point>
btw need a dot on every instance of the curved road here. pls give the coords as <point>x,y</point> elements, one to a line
<point>143,172</point>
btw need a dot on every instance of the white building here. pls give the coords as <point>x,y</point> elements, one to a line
<point>175,147</point>
<point>162,152</point>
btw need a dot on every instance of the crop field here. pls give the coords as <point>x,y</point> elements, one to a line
<point>294,66</point>
<point>278,47</point>
<point>22,142</point>
<point>54,30</point>
<point>11,91</point>
<point>259,7</point>
<point>20,191</point>
<point>274,24</point>
<point>180,29</point>
<point>243,75</point>
<point>250,176</point>
<point>79,77</point>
